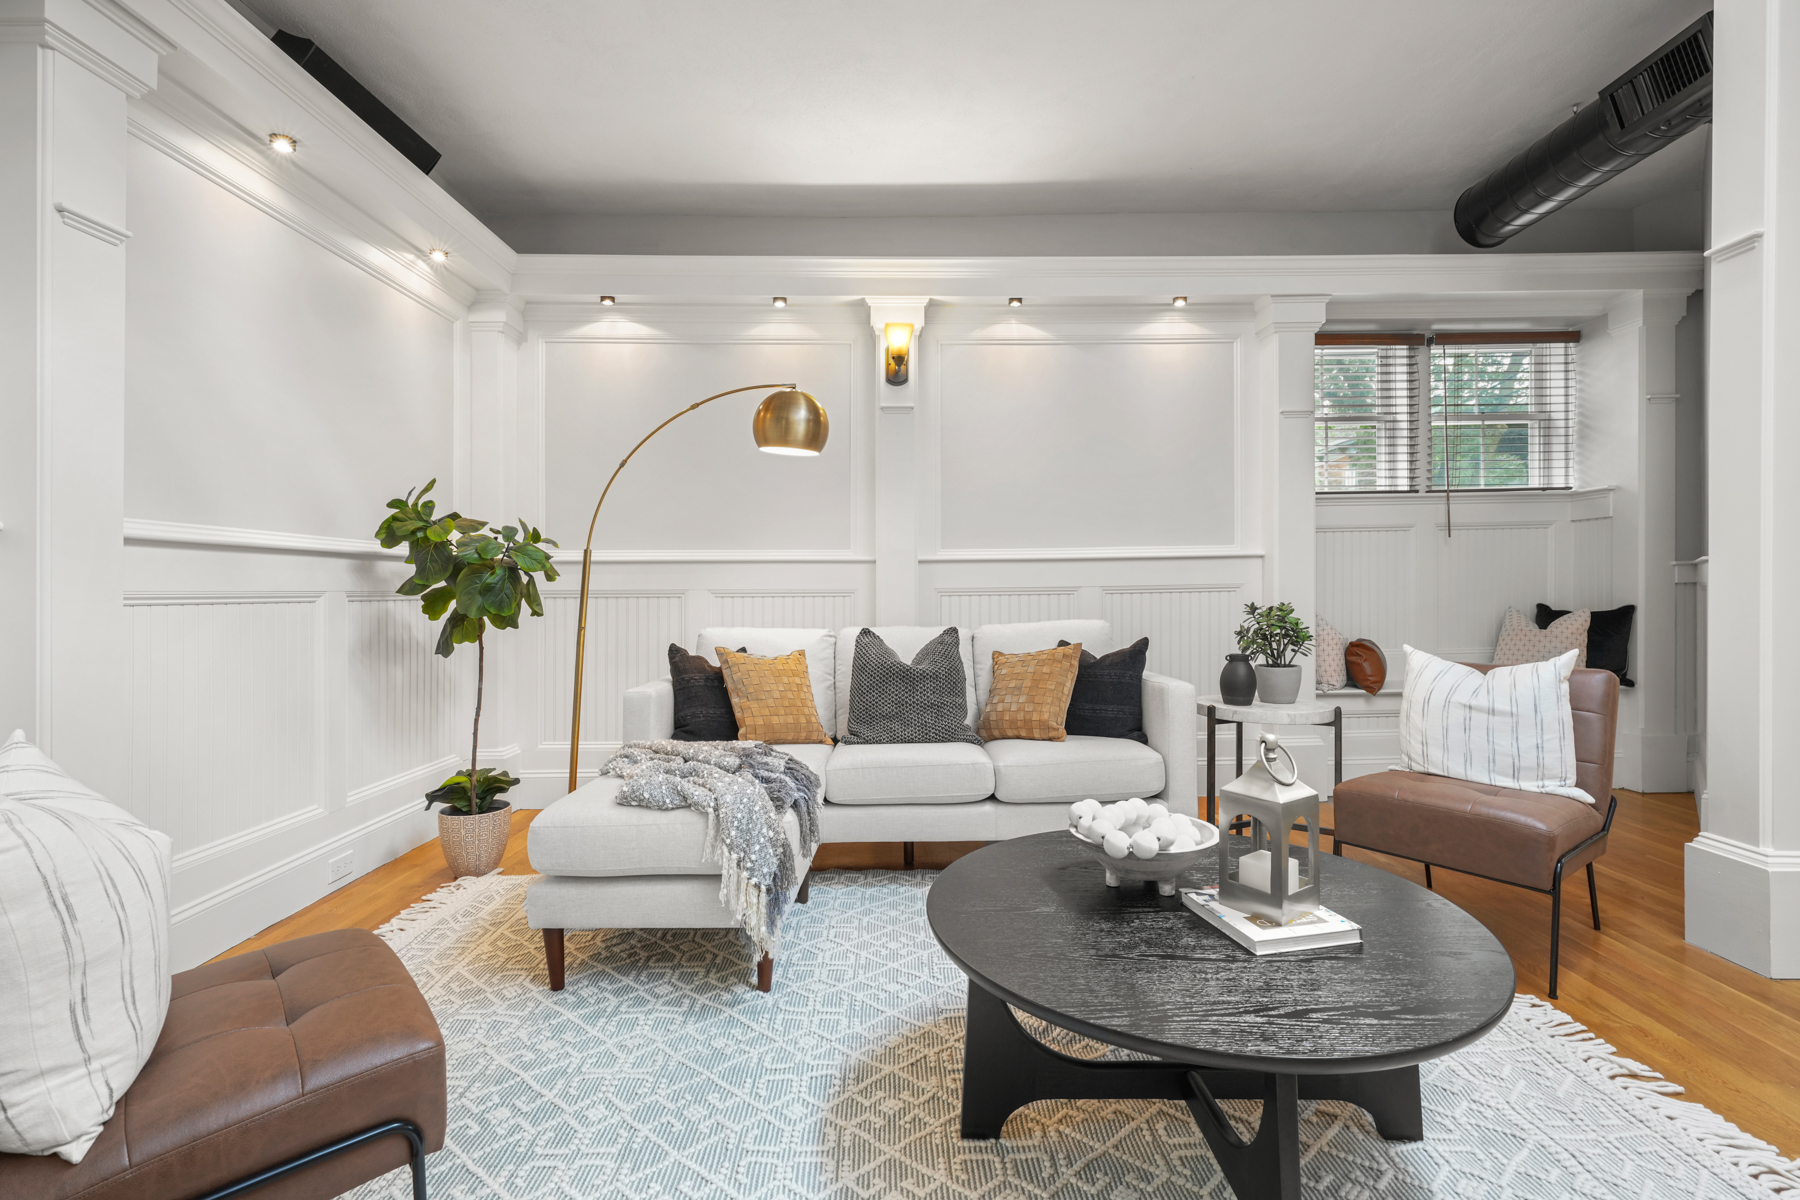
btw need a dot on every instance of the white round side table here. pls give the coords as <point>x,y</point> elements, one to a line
<point>1220,713</point>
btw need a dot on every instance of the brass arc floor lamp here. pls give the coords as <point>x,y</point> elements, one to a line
<point>788,421</point>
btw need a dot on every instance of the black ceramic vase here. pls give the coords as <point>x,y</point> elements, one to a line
<point>1237,682</point>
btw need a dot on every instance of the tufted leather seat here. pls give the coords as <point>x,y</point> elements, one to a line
<point>265,1056</point>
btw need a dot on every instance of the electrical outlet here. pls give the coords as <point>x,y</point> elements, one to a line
<point>341,866</point>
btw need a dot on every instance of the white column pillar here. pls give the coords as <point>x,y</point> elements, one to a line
<point>496,327</point>
<point>1653,751</point>
<point>1743,871</point>
<point>896,468</point>
<point>66,68</point>
<point>1285,326</point>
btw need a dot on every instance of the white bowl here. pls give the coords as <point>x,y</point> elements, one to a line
<point>1162,869</point>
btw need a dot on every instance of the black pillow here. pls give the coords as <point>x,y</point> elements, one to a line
<point>1108,700</point>
<point>1609,636</point>
<point>702,706</point>
<point>892,702</point>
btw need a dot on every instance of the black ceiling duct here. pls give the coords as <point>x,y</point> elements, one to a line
<point>1636,115</point>
<point>359,99</point>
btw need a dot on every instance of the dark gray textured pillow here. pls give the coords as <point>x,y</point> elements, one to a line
<point>1108,700</point>
<point>703,710</point>
<point>892,702</point>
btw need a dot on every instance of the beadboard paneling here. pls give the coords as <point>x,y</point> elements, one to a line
<point>628,636</point>
<point>1365,583</point>
<point>1593,572</point>
<point>403,698</point>
<point>1484,570</point>
<point>786,610</point>
<point>1189,628</point>
<point>971,609</point>
<point>224,693</point>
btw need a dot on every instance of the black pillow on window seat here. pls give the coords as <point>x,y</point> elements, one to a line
<point>1609,636</point>
<point>1108,700</point>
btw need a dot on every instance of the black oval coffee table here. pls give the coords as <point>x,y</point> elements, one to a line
<point>1033,925</point>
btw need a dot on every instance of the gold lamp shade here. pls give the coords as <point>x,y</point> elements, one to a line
<point>790,422</point>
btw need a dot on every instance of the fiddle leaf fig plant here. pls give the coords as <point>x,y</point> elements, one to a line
<point>470,575</point>
<point>1273,635</point>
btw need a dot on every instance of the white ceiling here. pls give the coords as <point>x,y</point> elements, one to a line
<point>978,107</point>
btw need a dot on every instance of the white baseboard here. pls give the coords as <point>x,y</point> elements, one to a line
<point>1740,904</point>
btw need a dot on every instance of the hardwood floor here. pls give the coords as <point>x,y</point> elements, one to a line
<point>1729,1036</point>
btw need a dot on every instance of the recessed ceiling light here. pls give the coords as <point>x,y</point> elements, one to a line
<point>283,143</point>
<point>1016,302</point>
<point>438,254</point>
<point>607,301</point>
<point>1180,302</point>
<point>780,302</point>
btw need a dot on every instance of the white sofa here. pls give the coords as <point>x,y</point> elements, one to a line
<point>611,866</point>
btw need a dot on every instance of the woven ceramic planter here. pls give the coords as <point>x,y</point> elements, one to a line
<point>474,844</point>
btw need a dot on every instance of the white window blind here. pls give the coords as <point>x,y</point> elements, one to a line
<point>1366,412</point>
<point>1493,411</point>
<point>1502,411</point>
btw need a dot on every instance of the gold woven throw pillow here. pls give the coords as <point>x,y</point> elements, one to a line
<point>772,698</point>
<point>1029,698</point>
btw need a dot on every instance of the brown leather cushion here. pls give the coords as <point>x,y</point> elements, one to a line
<point>1474,827</point>
<point>265,1056</point>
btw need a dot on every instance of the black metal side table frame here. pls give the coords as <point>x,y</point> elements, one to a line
<point>1214,720</point>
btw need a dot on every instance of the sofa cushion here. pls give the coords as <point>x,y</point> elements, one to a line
<point>894,701</point>
<point>821,658</point>
<point>266,1056</point>
<point>703,711</point>
<point>909,773</point>
<point>1106,769</point>
<point>1108,700</point>
<point>1030,694</point>
<point>905,641</point>
<point>772,697</point>
<point>588,832</point>
<point>1486,830</point>
<point>1096,638</point>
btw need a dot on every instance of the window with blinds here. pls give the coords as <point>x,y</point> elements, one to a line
<point>1459,411</point>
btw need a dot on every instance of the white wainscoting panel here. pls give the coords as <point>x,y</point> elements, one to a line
<point>973,609</point>
<point>786,610</point>
<point>628,636</point>
<point>1484,570</point>
<point>1593,569</point>
<point>1366,585</point>
<point>1190,629</point>
<point>404,701</point>
<point>224,703</point>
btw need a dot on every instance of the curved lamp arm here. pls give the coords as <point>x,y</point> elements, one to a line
<point>587,562</point>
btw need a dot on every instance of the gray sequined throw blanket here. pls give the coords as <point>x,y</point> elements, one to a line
<point>744,788</point>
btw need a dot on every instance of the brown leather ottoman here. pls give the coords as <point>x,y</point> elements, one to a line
<point>266,1057</point>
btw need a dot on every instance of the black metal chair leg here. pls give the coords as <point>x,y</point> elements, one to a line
<point>415,1140</point>
<point>1428,875</point>
<point>1555,927</point>
<point>1593,896</point>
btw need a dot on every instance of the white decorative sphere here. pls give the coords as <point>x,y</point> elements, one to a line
<point>1099,827</point>
<point>1158,811</point>
<point>1183,844</point>
<point>1117,844</point>
<point>1144,845</point>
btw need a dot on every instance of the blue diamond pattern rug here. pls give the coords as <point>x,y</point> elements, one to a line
<point>660,1073</point>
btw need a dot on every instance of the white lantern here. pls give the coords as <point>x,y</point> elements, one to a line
<point>1262,875</point>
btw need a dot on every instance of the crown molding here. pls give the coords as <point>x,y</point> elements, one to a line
<point>94,227</point>
<point>176,533</point>
<point>1742,244</point>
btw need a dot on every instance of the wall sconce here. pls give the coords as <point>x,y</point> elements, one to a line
<point>899,352</point>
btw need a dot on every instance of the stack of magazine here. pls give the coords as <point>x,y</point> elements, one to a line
<point>1260,935</point>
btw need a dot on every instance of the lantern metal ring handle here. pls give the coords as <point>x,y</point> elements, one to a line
<point>1271,745</point>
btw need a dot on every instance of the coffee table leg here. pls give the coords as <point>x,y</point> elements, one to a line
<point>1391,1097</point>
<point>1267,1165</point>
<point>998,1073</point>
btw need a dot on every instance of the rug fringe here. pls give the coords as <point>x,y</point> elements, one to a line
<point>1759,1160</point>
<point>417,917</point>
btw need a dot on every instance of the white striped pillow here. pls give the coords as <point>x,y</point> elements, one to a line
<point>1512,727</point>
<point>84,951</point>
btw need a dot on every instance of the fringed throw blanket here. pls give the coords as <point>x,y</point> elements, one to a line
<point>743,788</point>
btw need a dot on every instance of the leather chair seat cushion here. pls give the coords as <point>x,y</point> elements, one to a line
<point>265,1056</point>
<point>1474,827</point>
<point>909,773</point>
<point>1105,768</point>
<point>588,832</point>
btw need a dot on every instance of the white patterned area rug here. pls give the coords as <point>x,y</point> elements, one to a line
<point>660,1072</point>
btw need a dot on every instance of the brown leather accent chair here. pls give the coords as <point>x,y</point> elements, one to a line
<point>302,1070</point>
<point>1522,838</point>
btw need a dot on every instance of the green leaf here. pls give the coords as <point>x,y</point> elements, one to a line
<point>470,631</point>
<point>509,532</point>
<point>530,558</point>
<point>437,601</point>
<point>447,639</point>
<point>532,600</point>
<point>435,561</point>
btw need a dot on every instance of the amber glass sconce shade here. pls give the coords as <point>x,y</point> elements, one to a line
<point>899,352</point>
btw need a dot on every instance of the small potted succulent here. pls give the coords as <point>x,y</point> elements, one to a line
<point>1274,637</point>
<point>480,575</point>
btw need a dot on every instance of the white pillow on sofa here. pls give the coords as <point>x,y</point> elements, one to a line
<point>1511,727</point>
<point>84,948</point>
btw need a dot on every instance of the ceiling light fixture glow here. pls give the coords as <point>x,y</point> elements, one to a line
<point>438,254</point>
<point>283,143</point>
<point>1180,302</point>
<point>780,302</point>
<point>1016,302</point>
<point>606,301</point>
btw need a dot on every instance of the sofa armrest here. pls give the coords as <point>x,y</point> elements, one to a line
<point>650,711</point>
<point>1172,724</point>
